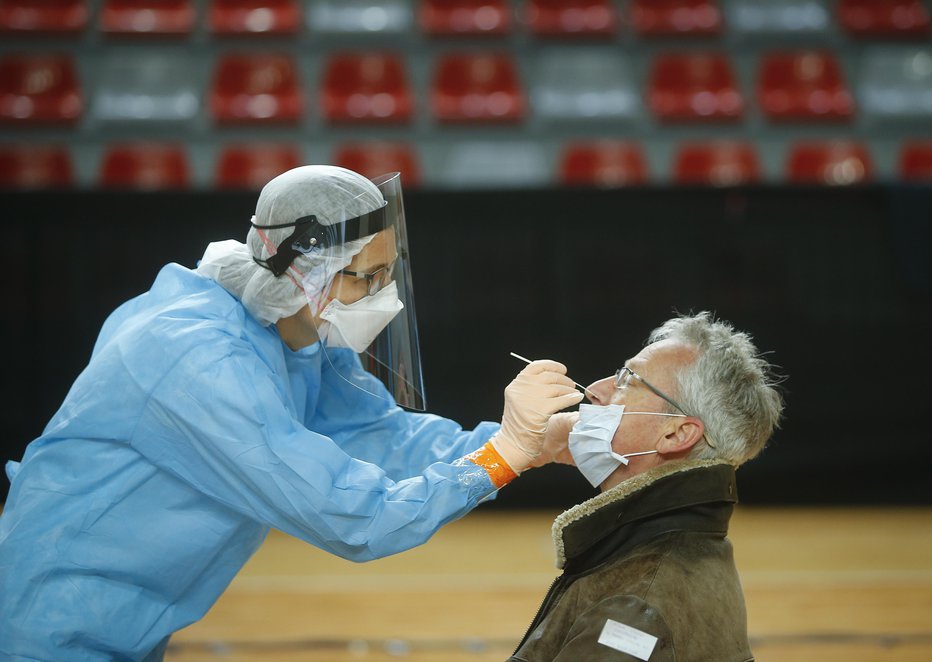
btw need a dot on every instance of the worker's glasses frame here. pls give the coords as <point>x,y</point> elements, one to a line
<point>621,380</point>
<point>375,280</point>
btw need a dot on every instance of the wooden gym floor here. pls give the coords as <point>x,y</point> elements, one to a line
<point>834,585</point>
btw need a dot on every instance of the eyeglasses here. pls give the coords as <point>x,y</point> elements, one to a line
<point>623,376</point>
<point>377,279</point>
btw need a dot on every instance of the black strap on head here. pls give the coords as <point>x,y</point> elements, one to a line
<point>310,235</point>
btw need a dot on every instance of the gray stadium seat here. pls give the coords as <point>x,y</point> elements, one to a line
<point>896,83</point>
<point>781,17</point>
<point>360,16</point>
<point>481,164</point>
<point>146,87</point>
<point>585,84</point>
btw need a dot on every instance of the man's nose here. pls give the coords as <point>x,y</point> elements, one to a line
<point>600,392</point>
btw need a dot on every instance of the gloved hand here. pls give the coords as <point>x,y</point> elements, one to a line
<point>538,392</point>
<point>556,440</point>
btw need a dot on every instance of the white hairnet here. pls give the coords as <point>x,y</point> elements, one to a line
<point>333,195</point>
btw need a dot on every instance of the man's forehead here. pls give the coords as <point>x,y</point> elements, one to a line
<point>663,354</point>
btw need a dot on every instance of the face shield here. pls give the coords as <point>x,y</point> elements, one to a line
<point>356,274</point>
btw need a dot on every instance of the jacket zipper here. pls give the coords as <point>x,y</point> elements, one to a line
<point>557,589</point>
<point>553,593</point>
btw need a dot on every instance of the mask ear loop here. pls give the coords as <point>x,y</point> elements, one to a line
<point>624,458</point>
<point>324,302</point>
<point>653,413</point>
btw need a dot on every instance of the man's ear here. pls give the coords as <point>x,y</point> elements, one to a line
<point>686,433</point>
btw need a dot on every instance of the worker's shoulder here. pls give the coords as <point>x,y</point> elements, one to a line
<point>182,311</point>
<point>178,289</point>
<point>182,297</point>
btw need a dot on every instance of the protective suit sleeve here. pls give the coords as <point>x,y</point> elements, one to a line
<point>218,422</point>
<point>376,430</point>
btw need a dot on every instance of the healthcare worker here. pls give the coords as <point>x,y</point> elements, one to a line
<point>231,399</point>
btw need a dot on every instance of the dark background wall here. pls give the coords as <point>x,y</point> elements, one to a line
<point>834,283</point>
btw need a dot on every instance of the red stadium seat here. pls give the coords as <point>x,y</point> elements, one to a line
<point>477,88</point>
<point>377,158</point>
<point>35,166</point>
<point>676,17</point>
<point>916,161</point>
<point>252,166</point>
<point>255,89</point>
<point>602,163</point>
<point>569,18</point>
<point>39,89</point>
<point>254,17</point>
<point>366,87</point>
<point>717,164</point>
<point>692,87</point>
<point>884,18</point>
<point>804,85</point>
<point>48,16</point>
<point>145,167</point>
<point>147,17</point>
<point>464,17</point>
<point>836,163</point>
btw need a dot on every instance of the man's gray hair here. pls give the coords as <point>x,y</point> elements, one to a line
<point>729,386</point>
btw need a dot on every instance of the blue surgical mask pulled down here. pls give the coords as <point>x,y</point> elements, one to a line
<point>590,441</point>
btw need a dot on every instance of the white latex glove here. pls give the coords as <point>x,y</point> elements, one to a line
<point>556,440</point>
<point>538,392</point>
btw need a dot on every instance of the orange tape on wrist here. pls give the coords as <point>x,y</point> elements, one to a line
<point>488,458</point>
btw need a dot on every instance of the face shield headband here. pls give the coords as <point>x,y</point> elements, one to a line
<point>310,236</point>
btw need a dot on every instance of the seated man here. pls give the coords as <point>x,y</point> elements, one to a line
<point>648,570</point>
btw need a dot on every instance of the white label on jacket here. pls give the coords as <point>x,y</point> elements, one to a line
<point>627,639</point>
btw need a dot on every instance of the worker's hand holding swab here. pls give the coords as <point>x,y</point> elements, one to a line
<point>539,391</point>
<point>578,385</point>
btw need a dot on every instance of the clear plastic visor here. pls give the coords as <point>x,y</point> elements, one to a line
<point>362,301</point>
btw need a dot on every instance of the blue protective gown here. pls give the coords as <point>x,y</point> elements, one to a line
<point>191,432</point>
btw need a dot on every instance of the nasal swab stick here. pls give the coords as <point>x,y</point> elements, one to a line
<point>521,358</point>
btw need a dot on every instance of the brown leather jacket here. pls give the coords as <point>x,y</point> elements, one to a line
<point>650,554</point>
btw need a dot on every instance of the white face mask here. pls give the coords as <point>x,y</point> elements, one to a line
<point>590,440</point>
<point>355,325</point>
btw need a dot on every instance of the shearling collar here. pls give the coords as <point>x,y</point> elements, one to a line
<point>606,503</point>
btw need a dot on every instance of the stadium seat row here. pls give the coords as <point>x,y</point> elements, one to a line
<point>604,163</point>
<point>545,18</point>
<point>488,87</point>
